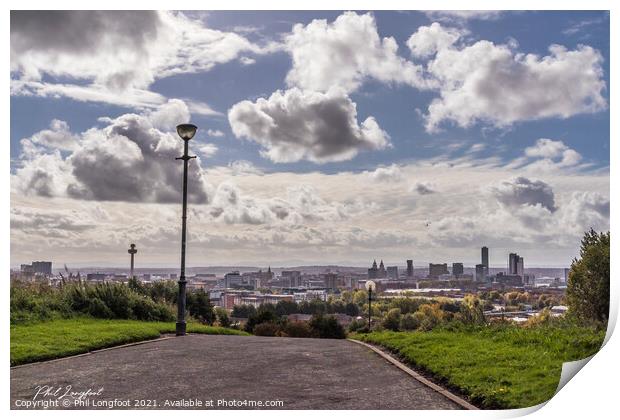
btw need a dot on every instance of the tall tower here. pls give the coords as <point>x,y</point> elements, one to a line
<point>485,256</point>
<point>132,251</point>
<point>410,269</point>
<point>513,263</point>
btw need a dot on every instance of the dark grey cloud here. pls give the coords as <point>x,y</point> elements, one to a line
<point>296,125</point>
<point>79,31</point>
<point>53,40</point>
<point>523,191</point>
<point>127,160</point>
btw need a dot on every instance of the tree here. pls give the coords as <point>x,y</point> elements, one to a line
<point>265,314</point>
<point>243,311</point>
<point>286,307</point>
<point>360,297</point>
<point>587,291</point>
<point>199,306</point>
<point>392,320</point>
<point>222,317</point>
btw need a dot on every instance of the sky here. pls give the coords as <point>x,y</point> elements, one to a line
<point>323,137</point>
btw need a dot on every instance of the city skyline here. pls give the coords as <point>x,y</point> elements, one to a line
<point>431,135</point>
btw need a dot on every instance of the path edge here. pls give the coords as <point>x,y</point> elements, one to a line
<point>457,400</point>
<point>90,352</point>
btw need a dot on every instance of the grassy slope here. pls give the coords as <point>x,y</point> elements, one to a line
<point>495,367</point>
<point>66,337</point>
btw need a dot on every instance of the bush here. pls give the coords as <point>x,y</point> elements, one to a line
<point>267,329</point>
<point>36,302</point>
<point>409,323</point>
<point>263,315</point>
<point>98,309</point>
<point>392,320</point>
<point>429,316</point>
<point>357,325</point>
<point>222,317</point>
<point>351,309</point>
<point>243,311</point>
<point>144,309</point>
<point>327,327</point>
<point>297,329</point>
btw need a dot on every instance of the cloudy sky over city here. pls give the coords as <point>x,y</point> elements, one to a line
<point>324,137</point>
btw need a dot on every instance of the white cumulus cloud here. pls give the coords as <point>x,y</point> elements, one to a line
<point>295,125</point>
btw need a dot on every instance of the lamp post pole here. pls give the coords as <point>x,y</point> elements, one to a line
<point>370,286</point>
<point>369,306</point>
<point>186,132</point>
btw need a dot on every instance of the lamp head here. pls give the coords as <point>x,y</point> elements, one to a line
<point>186,131</point>
<point>371,286</point>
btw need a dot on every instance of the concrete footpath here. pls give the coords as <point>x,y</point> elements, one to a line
<point>224,372</point>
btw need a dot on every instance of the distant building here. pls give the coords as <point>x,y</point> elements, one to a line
<point>42,267</point>
<point>566,274</point>
<point>95,276</point>
<point>232,278</point>
<point>457,269</point>
<point>485,256</point>
<point>436,270</point>
<point>26,269</point>
<point>480,272</point>
<point>513,260</point>
<point>291,278</point>
<point>409,269</point>
<point>520,266</point>
<point>37,267</point>
<point>330,280</point>
<point>392,272</point>
<point>509,279</point>
<point>382,273</point>
<point>375,272</point>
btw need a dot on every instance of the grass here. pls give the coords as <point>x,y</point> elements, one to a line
<point>495,367</point>
<point>67,337</point>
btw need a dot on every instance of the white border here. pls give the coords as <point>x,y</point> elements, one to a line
<point>590,395</point>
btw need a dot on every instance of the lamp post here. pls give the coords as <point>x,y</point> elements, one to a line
<point>186,132</point>
<point>370,286</point>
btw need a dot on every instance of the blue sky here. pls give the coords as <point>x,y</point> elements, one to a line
<point>554,129</point>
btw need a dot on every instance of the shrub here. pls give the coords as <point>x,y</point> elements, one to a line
<point>243,311</point>
<point>392,320</point>
<point>222,317</point>
<point>351,309</point>
<point>268,329</point>
<point>144,309</point>
<point>472,310</point>
<point>358,325</point>
<point>263,315</point>
<point>429,316</point>
<point>298,329</point>
<point>99,309</point>
<point>409,323</point>
<point>327,327</point>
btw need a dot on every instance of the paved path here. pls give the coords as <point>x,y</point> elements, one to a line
<point>302,373</point>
